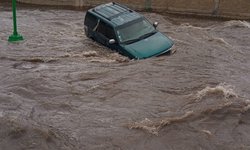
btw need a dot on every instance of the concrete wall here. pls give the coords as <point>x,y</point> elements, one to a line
<point>225,8</point>
<point>235,7</point>
<point>51,2</point>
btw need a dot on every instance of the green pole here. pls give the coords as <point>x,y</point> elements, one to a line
<point>148,5</point>
<point>15,36</point>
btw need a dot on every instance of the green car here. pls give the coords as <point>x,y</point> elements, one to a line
<point>126,31</point>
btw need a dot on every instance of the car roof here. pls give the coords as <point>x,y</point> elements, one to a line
<point>116,14</point>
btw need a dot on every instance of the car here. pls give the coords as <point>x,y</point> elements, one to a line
<point>124,30</point>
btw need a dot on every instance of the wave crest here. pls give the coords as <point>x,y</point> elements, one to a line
<point>227,91</point>
<point>237,24</point>
<point>224,109</point>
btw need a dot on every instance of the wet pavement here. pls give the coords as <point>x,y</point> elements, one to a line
<point>62,91</point>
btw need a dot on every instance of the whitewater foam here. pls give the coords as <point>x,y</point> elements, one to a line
<point>154,127</point>
<point>207,132</point>
<point>237,23</point>
<point>220,41</point>
<point>226,90</point>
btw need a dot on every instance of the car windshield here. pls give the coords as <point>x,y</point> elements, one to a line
<point>135,31</point>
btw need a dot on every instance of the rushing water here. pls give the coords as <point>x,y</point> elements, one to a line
<point>62,91</point>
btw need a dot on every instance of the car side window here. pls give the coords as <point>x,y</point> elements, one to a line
<point>91,21</point>
<point>106,30</point>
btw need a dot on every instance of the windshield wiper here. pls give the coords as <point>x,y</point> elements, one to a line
<point>140,38</point>
<point>131,41</point>
<point>147,35</point>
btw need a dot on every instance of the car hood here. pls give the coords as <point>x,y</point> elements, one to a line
<point>148,47</point>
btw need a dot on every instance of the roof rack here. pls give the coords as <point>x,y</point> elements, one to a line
<point>123,6</point>
<point>111,10</point>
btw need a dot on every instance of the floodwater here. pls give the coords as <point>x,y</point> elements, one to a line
<point>62,91</point>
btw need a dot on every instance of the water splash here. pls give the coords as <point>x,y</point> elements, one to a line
<point>226,90</point>
<point>90,54</point>
<point>83,54</point>
<point>187,25</point>
<point>111,58</point>
<point>223,90</point>
<point>237,23</point>
<point>154,127</point>
<point>219,41</point>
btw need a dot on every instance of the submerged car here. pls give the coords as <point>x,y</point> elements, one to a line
<point>126,31</point>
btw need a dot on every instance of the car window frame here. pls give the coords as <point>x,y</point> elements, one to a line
<point>105,30</point>
<point>91,20</point>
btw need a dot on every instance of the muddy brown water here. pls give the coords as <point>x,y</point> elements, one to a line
<point>62,91</point>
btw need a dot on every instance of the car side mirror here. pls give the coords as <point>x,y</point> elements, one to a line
<point>112,41</point>
<point>156,24</point>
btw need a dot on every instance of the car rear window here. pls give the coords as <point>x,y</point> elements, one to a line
<point>90,20</point>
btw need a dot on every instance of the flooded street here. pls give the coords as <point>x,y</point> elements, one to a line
<point>62,91</point>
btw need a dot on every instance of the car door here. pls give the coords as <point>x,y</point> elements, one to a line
<point>104,33</point>
<point>100,31</point>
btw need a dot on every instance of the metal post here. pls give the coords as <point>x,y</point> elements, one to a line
<point>15,36</point>
<point>216,7</point>
<point>148,5</point>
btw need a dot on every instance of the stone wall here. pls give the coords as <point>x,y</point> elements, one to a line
<point>223,8</point>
